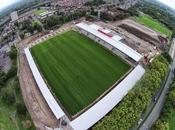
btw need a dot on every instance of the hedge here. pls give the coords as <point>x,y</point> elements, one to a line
<point>163,123</point>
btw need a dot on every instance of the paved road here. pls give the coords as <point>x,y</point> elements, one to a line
<point>160,102</point>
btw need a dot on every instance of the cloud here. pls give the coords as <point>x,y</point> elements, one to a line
<point>6,3</point>
<point>170,3</point>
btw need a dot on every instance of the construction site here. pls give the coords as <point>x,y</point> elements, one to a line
<point>144,40</point>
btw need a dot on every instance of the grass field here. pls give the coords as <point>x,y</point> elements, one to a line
<point>77,69</point>
<point>8,112</point>
<point>5,122</point>
<point>9,118</point>
<point>154,24</point>
<point>39,11</point>
<point>172,121</point>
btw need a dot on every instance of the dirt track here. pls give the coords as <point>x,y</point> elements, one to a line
<point>36,105</point>
<point>146,37</point>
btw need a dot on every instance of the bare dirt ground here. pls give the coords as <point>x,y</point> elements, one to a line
<point>140,27</point>
<point>36,105</point>
<point>136,43</point>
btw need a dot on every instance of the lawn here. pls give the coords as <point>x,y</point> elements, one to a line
<point>39,11</point>
<point>172,121</point>
<point>5,113</point>
<point>154,24</point>
<point>77,69</point>
<point>9,118</point>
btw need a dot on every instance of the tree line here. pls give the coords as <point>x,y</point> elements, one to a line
<point>61,18</point>
<point>163,123</point>
<point>9,93</point>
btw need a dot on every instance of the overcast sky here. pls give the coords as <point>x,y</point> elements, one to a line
<point>5,3</point>
<point>171,3</point>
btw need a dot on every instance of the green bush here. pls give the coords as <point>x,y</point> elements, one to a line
<point>7,95</point>
<point>27,25</point>
<point>163,122</point>
<point>16,85</point>
<point>37,26</point>
<point>1,87</point>
<point>13,53</point>
<point>21,34</point>
<point>168,57</point>
<point>51,22</point>
<point>160,125</point>
<point>94,3</point>
<point>12,72</point>
<point>2,78</point>
<point>133,11</point>
<point>21,108</point>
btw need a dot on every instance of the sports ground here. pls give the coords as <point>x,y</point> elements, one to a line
<point>154,24</point>
<point>172,120</point>
<point>39,11</point>
<point>77,69</point>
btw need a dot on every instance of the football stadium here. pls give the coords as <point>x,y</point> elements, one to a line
<point>84,72</point>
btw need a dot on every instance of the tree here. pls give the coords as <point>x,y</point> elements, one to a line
<point>1,87</point>
<point>27,25</point>
<point>105,16</point>
<point>2,77</point>
<point>37,26</point>
<point>21,35</point>
<point>159,125</point>
<point>1,29</point>
<point>16,24</point>
<point>16,84</point>
<point>8,95</point>
<point>94,3</point>
<point>173,30</point>
<point>133,11</point>
<point>171,98</point>
<point>13,52</point>
<point>167,56</point>
<point>51,22</point>
<point>21,108</point>
<point>12,72</point>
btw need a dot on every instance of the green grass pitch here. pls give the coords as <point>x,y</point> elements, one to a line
<point>154,24</point>
<point>77,69</point>
<point>171,121</point>
<point>40,11</point>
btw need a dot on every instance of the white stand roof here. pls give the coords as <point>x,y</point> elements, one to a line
<point>56,109</point>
